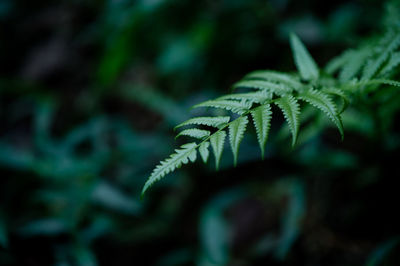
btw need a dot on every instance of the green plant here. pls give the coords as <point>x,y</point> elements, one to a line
<point>348,79</point>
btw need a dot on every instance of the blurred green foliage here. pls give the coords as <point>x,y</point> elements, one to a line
<point>89,92</point>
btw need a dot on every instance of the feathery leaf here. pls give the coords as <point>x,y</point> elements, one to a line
<point>194,133</point>
<point>291,110</point>
<point>217,142</point>
<point>233,106</point>
<point>305,63</point>
<point>356,59</point>
<point>278,89</point>
<point>252,97</point>
<point>204,152</point>
<point>340,93</point>
<point>207,121</point>
<point>277,77</point>
<point>262,122</point>
<point>325,104</point>
<point>392,63</point>
<point>236,134</point>
<point>181,156</point>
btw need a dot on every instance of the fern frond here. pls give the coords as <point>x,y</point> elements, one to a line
<point>305,63</point>
<point>388,44</point>
<point>360,71</point>
<point>236,134</point>
<point>233,106</point>
<point>194,133</point>
<point>278,89</point>
<point>181,156</point>
<point>291,110</point>
<point>207,121</point>
<point>252,97</point>
<point>325,104</point>
<point>277,77</point>
<point>217,143</point>
<point>262,122</point>
<point>204,152</point>
<point>393,62</point>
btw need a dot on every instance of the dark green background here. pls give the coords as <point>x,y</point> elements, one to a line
<point>90,92</point>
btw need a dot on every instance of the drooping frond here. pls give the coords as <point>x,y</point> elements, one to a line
<point>305,63</point>
<point>181,156</point>
<point>217,142</point>
<point>236,134</point>
<point>233,106</point>
<point>291,110</point>
<point>204,151</point>
<point>194,133</point>
<point>207,121</point>
<point>325,104</point>
<point>262,122</point>
<point>277,77</point>
<point>278,89</point>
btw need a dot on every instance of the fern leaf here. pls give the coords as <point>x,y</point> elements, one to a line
<point>340,93</point>
<point>325,104</point>
<point>194,133</point>
<point>355,62</point>
<point>253,97</point>
<point>181,156</point>
<point>207,121</point>
<point>390,43</point>
<point>233,106</point>
<point>305,63</point>
<point>393,62</point>
<point>262,122</point>
<point>338,62</point>
<point>204,152</point>
<point>385,81</point>
<point>357,84</point>
<point>291,110</point>
<point>217,142</point>
<point>236,134</point>
<point>279,89</point>
<point>276,77</point>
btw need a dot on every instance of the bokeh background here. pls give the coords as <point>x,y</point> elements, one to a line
<point>90,91</point>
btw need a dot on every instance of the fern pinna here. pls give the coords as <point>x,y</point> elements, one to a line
<point>357,70</point>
